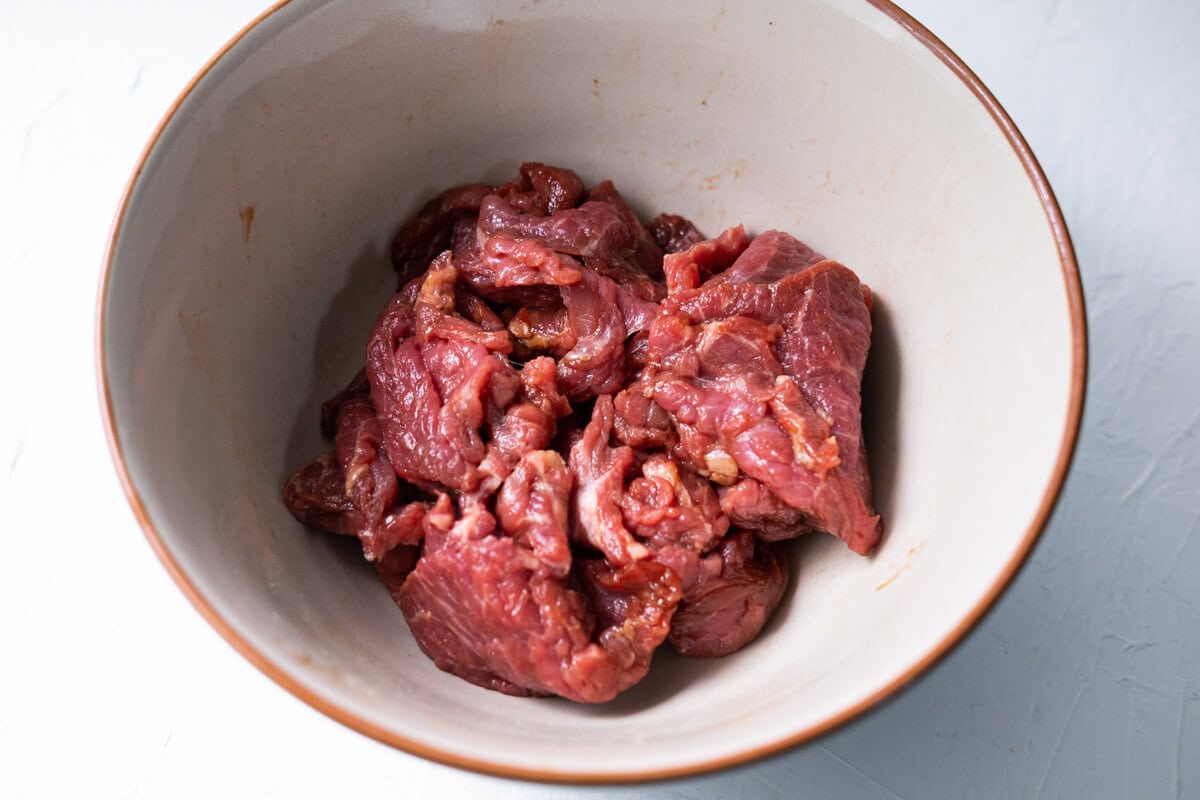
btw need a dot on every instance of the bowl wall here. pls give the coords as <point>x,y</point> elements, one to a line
<point>250,261</point>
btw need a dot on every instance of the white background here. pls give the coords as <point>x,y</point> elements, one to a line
<point>1083,682</point>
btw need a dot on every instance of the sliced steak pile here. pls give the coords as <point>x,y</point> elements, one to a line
<point>578,435</point>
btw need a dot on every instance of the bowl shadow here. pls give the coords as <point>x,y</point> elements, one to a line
<point>882,381</point>
<point>343,327</point>
<point>338,353</point>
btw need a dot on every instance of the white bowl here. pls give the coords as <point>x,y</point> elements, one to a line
<point>248,261</point>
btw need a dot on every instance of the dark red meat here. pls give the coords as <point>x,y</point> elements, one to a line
<point>673,233</point>
<point>689,268</point>
<point>433,390</point>
<point>753,506</point>
<point>526,425</point>
<point>542,189</point>
<point>592,229</point>
<point>428,232</point>
<point>394,567</point>
<point>647,255</point>
<point>354,489</point>
<point>595,364</point>
<point>532,508</point>
<point>676,514</point>
<point>727,607</point>
<point>578,434</point>
<point>775,255</point>
<point>731,583</point>
<point>639,421</point>
<point>319,495</point>
<point>370,481</point>
<point>600,471</point>
<point>488,609</point>
<point>761,371</point>
<point>667,506</point>
<point>316,495</point>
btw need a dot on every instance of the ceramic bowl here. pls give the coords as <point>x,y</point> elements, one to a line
<point>249,259</point>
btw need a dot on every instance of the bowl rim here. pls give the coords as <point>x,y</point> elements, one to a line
<point>1066,450</point>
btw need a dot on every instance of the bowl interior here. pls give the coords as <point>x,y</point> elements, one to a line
<point>251,261</point>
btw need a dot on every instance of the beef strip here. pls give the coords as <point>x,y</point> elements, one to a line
<point>532,508</point>
<point>486,607</point>
<point>691,267</point>
<point>525,425</point>
<point>731,583</point>
<point>353,490</point>
<point>429,231</point>
<point>542,189</point>
<point>434,389</point>
<point>595,364</point>
<point>522,272</point>
<point>760,370</point>
<point>753,506</point>
<point>728,606</point>
<point>320,496</point>
<point>316,495</point>
<point>370,481</point>
<point>673,233</point>
<point>639,421</point>
<point>600,471</point>
<point>669,507</point>
<point>592,229</point>
<point>647,256</point>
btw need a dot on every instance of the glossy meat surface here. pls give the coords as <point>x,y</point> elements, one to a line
<point>578,434</point>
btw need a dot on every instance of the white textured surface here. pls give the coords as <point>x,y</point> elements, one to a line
<point>1082,683</point>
